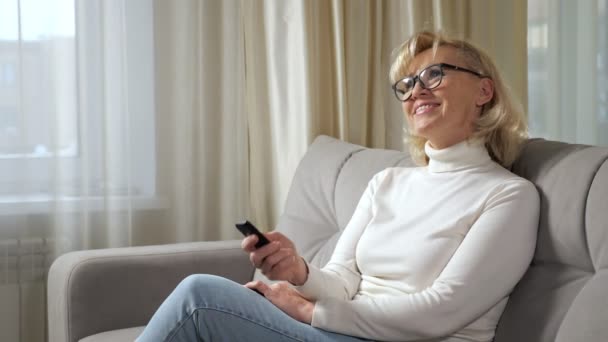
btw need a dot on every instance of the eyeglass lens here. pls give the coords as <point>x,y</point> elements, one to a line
<point>429,78</point>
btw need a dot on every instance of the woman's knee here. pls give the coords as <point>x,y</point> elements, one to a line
<point>201,282</point>
<point>205,290</point>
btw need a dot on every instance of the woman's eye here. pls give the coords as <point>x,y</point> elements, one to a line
<point>434,73</point>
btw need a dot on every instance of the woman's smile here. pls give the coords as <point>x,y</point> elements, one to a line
<point>425,107</point>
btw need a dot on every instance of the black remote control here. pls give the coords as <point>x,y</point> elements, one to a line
<point>247,228</point>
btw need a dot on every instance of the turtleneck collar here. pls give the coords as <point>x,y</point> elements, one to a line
<point>464,155</point>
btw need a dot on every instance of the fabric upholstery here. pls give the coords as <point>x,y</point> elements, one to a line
<point>562,297</point>
<point>129,334</point>
<point>94,291</point>
<point>325,189</point>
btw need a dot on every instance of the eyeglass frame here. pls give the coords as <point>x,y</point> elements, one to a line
<point>441,66</point>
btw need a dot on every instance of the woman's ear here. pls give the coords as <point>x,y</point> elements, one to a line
<point>486,92</point>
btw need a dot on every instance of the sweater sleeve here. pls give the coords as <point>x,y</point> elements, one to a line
<point>490,261</point>
<point>340,278</point>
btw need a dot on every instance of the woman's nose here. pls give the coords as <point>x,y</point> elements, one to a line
<point>418,90</point>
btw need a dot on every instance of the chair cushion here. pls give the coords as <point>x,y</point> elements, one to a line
<point>121,335</point>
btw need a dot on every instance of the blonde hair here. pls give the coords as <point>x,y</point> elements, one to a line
<point>501,124</point>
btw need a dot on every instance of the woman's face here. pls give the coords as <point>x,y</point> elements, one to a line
<point>445,115</point>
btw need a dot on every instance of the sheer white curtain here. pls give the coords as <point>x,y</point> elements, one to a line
<point>121,123</point>
<point>568,70</point>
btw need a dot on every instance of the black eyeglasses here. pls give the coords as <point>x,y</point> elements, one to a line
<point>429,78</point>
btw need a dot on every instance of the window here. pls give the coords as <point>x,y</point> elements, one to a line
<point>77,113</point>
<point>568,70</point>
<point>7,74</point>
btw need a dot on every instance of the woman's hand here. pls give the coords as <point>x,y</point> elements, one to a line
<point>278,260</point>
<point>286,298</point>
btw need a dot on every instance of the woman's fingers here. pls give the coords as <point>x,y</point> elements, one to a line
<point>284,255</point>
<point>286,263</point>
<point>277,260</point>
<point>248,243</point>
<point>258,286</point>
<point>257,256</point>
<point>284,240</point>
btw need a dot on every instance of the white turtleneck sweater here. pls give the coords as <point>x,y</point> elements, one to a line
<point>430,252</point>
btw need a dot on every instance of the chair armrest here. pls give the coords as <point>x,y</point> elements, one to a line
<point>106,289</point>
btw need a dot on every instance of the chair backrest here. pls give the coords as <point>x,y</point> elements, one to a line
<point>325,189</point>
<point>562,297</point>
<point>564,294</point>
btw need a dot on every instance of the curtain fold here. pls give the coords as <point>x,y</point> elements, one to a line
<point>202,123</point>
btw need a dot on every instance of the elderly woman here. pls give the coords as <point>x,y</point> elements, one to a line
<point>431,253</point>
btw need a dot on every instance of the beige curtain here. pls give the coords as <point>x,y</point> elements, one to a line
<point>122,123</point>
<point>202,135</point>
<point>321,67</point>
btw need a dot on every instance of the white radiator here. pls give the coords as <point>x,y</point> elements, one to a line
<point>24,264</point>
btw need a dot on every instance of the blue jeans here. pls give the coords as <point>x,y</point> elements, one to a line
<point>210,308</point>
